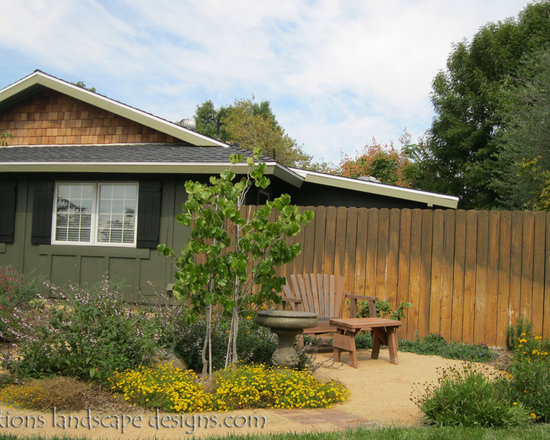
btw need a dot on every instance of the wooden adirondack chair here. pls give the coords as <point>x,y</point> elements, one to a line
<point>323,294</point>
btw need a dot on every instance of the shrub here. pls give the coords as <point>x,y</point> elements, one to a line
<point>529,370</point>
<point>250,386</point>
<point>436,344</point>
<point>383,309</point>
<point>529,384</point>
<point>468,397</point>
<point>86,336</point>
<point>16,293</point>
<point>254,343</point>
<point>363,340</point>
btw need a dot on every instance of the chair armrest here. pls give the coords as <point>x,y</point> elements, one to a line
<point>290,300</point>
<point>353,304</point>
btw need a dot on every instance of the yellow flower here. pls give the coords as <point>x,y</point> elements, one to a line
<point>523,334</point>
<point>515,403</point>
<point>533,415</point>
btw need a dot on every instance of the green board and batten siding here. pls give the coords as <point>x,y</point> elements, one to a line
<point>136,269</point>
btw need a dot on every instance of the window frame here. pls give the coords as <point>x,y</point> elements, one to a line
<point>94,214</point>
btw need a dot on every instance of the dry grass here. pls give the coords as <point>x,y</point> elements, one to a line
<point>64,393</point>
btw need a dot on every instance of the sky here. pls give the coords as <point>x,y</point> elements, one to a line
<point>337,73</point>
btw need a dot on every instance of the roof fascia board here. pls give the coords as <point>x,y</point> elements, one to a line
<point>272,168</point>
<point>110,105</point>
<point>430,199</point>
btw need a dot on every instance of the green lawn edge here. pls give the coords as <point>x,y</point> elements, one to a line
<point>385,433</point>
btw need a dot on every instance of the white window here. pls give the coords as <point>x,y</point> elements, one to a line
<point>95,214</point>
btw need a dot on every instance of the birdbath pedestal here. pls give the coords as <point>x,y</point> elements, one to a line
<point>286,324</point>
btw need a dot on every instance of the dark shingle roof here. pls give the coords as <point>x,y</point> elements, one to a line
<point>129,153</point>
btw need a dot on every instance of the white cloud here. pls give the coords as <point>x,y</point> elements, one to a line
<point>337,72</point>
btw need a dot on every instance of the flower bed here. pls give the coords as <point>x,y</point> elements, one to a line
<point>248,386</point>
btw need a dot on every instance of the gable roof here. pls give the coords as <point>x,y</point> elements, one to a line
<point>39,78</point>
<point>204,156</point>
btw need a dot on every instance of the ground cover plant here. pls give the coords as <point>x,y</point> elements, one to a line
<point>435,344</point>
<point>63,393</point>
<point>247,386</point>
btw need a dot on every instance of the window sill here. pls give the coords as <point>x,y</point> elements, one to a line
<point>94,251</point>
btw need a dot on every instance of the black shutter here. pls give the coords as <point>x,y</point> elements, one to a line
<point>149,214</point>
<point>42,212</point>
<point>7,213</point>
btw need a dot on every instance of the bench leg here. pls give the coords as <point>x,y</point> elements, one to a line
<point>345,341</point>
<point>336,354</point>
<point>375,345</point>
<point>392,344</point>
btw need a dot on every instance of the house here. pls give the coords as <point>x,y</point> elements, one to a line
<point>89,185</point>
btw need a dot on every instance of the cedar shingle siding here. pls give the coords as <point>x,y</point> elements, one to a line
<point>49,117</point>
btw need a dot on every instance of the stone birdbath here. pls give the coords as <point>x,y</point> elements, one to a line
<point>286,324</point>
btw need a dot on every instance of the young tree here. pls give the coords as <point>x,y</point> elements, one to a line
<point>230,258</point>
<point>467,98</point>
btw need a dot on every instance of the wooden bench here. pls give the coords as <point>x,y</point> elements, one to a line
<point>323,294</point>
<point>383,333</point>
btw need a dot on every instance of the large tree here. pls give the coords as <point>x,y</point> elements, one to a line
<point>523,178</point>
<point>384,162</point>
<point>462,153</point>
<point>251,125</point>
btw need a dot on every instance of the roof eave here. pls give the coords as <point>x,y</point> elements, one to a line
<point>272,168</point>
<point>430,199</point>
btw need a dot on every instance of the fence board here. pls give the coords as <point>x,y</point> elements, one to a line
<point>340,241</point>
<point>458,278</point>
<point>372,250</point>
<point>361,255</point>
<point>434,325</point>
<point>414,293</point>
<point>515,267</point>
<point>480,300</point>
<point>320,236</point>
<point>492,279</point>
<point>382,250</point>
<point>404,262</point>
<point>470,277</point>
<point>447,308</point>
<point>426,265</point>
<point>503,306</point>
<point>546,314</point>
<point>393,258</point>
<point>330,238</point>
<point>351,250</point>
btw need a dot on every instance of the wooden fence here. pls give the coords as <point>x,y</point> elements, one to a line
<point>468,274</point>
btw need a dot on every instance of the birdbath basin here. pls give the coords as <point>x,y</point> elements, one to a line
<point>286,324</point>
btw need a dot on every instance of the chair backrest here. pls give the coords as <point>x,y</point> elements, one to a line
<point>320,293</point>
